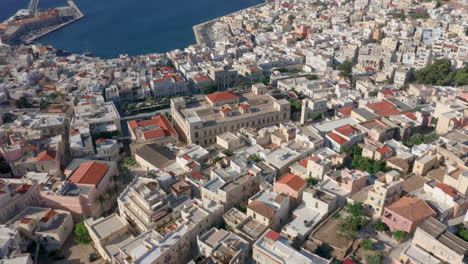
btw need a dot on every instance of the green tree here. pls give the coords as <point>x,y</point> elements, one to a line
<point>311,77</point>
<point>81,234</point>
<point>23,103</point>
<point>346,69</point>
<point>374,258</point>
<point>367,244</point>
<point>243,207</point>
<point>255,158</point>
<point>130,161</point>
<point>209,88</point>
<point>350,226</point>
<point>264,79</point>
<point>311,181</point>
<point>462,232</point>
<point>399,235</point>
<point>316,116</point>
<point>380,226</point>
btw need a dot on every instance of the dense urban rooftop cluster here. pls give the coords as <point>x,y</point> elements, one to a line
<point>295,131</point>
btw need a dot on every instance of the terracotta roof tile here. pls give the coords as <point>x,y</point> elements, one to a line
<point>222,96</point>
<point>411,208</point>
<point>338,139</point>
<point>46,155</point>
<point>261,209</point>
<point>89,173</point>
<point>293,181</point>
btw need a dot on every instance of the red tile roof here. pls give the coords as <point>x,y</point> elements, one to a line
<point>23,188</point>
<point>293,181</point>
<point>89,173</point>
<point>411,208</point>
<point>46,155</point>
<point>261,209</point>
<point>155,133</point>
<point>447,189</point>
<point>51,213</point>
<point>163,127</point>
<point>338,139</point>
<point>272,235</point>
<point>346,110</point>
<point>384,149</point>
<point>346,130</point>
<point>410,115</point>
<point>222,96</point>
<point>384,108</point>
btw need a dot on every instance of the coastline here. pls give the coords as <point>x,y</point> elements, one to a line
<point>201,30</point>
<point>46,31</point>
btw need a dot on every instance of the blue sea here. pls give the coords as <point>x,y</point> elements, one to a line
<point>113,27</point>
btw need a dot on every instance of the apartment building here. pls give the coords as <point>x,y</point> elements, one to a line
<point>433,237</point>
<point>49,227</point>
<point>144,204</point>
<point>102,117</point>
<point>223,246</point>
<point>273,248</point>
<point>236,183</point>
<point>407,214</point>
<point>269,208</point>
<point>386,190</point>
<point>200,123</point>
<point>108,234</point>
<point>157,130</point>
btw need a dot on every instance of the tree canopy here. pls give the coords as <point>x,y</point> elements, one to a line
<point>440,73</point>
<point>209,88</point>
<point>81,234</point>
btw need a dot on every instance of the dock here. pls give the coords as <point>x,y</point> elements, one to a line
<point>40,33</point>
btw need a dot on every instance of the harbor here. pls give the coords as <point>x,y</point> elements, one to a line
<point>30,24</point>
<point>40,33</point>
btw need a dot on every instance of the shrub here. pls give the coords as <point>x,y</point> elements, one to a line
<point>81,234</point>
<point>399,235</point>
<point>367,244</point>
<point>380,226</point>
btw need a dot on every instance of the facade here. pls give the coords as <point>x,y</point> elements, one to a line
<point>269,208</point>
<point>433,237</point>
<point>293,186</point>
<point>15,197</point>
<point>386,190</point>
<point>224,111</point>
<point>86,181</point>
<point>49,227</point>
<point>145,205</point>
<point>108,233</point>
<point>236,183</point>
<point>407,214</point>
<point>223,247</point>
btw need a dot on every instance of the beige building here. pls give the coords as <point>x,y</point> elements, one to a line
<point>108,234</point>
<point>425,163</point>
<point>47,226</point>
<point>229,141</point>
<point>432,236</point>
<point>221,112</point>
<point>223,246</point>
<point>386,190</point>
<point>243,225</point>
<point>145,205</point>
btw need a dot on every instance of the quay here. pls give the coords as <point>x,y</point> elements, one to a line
<point>40,33</point>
